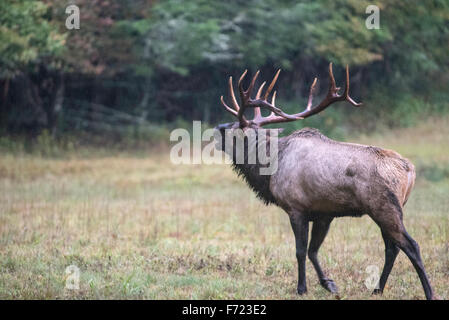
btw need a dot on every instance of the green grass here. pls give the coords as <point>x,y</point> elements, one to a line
<point>142,228</point>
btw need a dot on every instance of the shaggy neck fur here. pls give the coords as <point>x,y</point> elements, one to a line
<point>260,184</point>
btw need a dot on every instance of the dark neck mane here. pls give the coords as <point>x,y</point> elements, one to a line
<point>260,184</point>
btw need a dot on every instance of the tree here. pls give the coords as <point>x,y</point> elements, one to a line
<point>27,38</point>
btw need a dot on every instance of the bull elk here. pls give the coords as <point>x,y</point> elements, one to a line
<point>319,179</point>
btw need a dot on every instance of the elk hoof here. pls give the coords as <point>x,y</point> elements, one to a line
<point>377,291</point>
<point>329,285</point>
<point>301,291</point>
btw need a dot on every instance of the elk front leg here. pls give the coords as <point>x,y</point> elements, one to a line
<point>300,226</point>
<point>319,232</point>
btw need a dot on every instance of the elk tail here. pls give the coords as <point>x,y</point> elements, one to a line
<point>411,175</point>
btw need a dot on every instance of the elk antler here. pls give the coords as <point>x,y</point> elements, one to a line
<point>277,115</point>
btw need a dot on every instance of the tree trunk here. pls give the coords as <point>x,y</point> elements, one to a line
<point>56,103</point>
<point>4,105</point>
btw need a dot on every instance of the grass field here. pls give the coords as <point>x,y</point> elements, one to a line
<point>138,227</point>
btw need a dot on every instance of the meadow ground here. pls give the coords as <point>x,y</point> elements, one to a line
<point>138,227</point>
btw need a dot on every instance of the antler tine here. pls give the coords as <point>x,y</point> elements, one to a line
<point>346,92</point>
<point>240,85</point>
<point>273,82</point>
<point>355,104</point>
<point>273,98</point>
<point>258,94</point>
<point>333,87</point>
<point>227,107</point>
<point>273,102</point>
<point>236,109</point>
<point>231,92</point>
<point>251,85</point>
<point>242,76</point>
<point>312,90</point>
<point>245,97</point>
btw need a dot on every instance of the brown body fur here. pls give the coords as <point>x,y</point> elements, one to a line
<point>323,176</point>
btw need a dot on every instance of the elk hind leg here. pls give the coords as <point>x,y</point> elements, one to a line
<point>391,252</point>
<point>390,222</point>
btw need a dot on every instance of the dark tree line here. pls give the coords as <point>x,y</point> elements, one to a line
<point>135,63</point>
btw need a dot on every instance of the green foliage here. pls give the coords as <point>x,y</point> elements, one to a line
<point>418,49</point>
<point>341,35</point>
<point>160,61</point>
<point>434,172</point>
<point>26,35</point>
<point>180,35</point>
<point>404,58</point>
